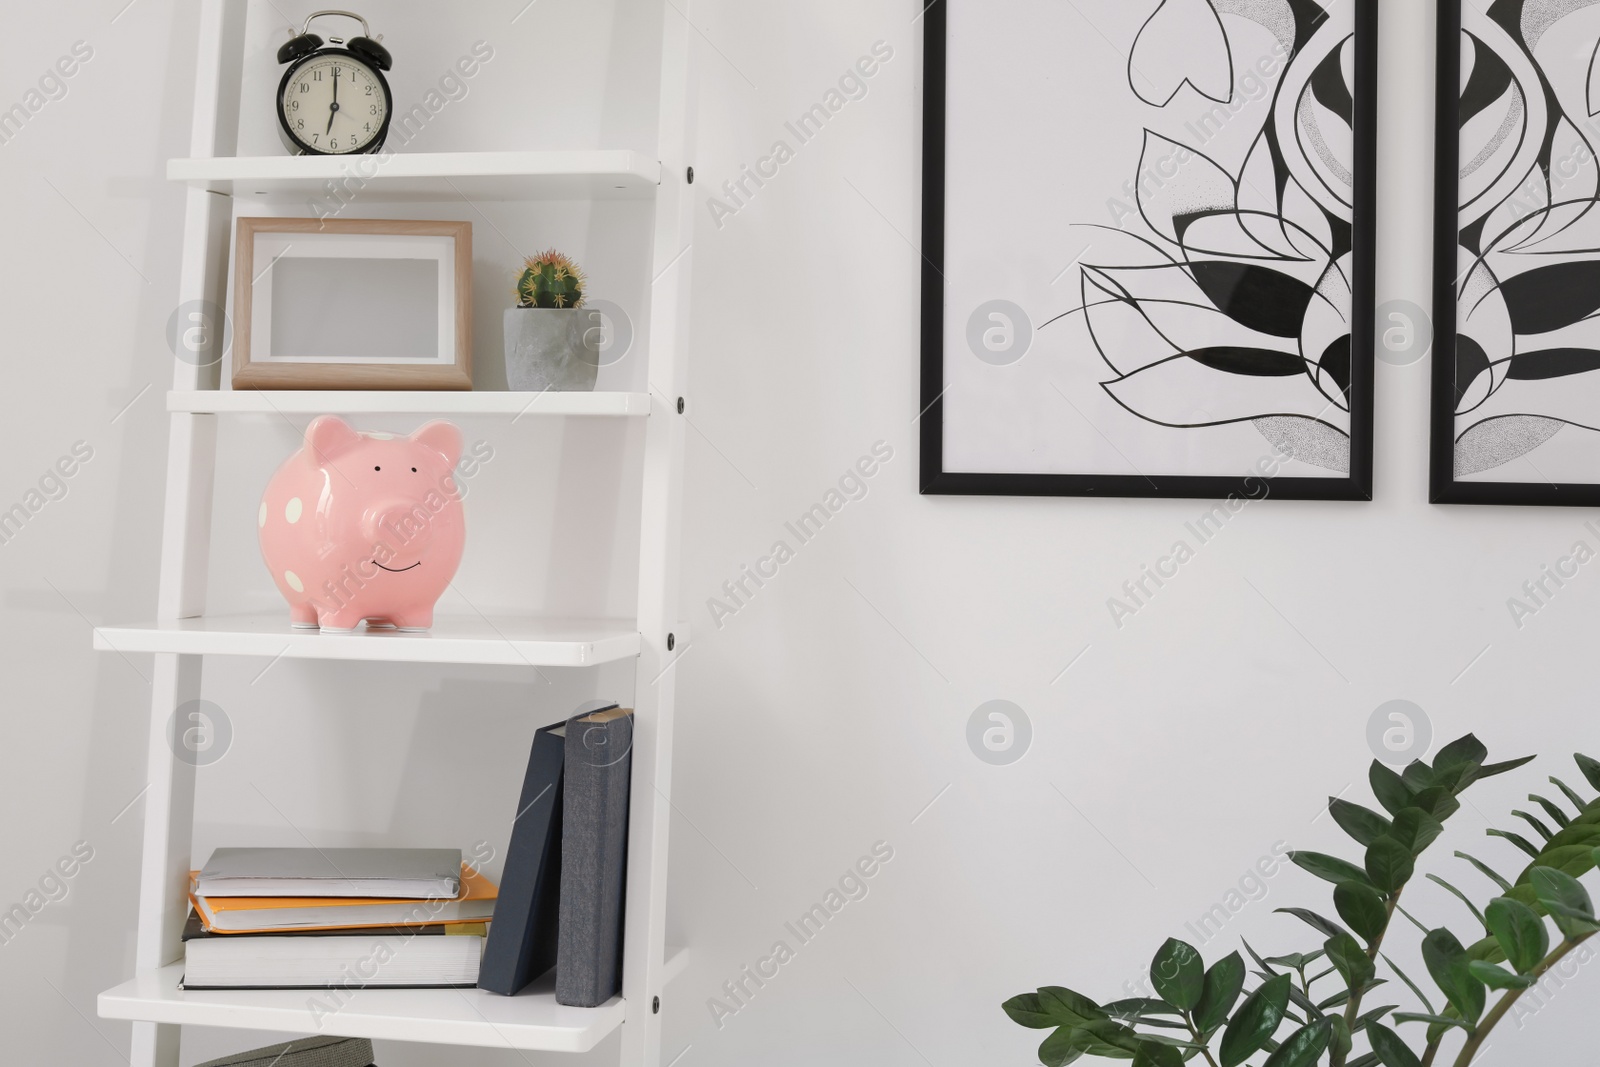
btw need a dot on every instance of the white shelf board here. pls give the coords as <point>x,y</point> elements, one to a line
<point>605,174</point>
<point>402,402</point>
<point>530,1020</point>
<point>514,641</point>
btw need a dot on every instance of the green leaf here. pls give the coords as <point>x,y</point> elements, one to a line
<point>1576,860</point>
<point>1372,1015</point>
<point>1390,1050</point>
<point>1577,801</point>
<point>1112,1040</point>
<point>1417,776</point>
<point>1389,788</point>
<point>1564,897</point>
<point>1544,831</point>
<point>1459,895</point>
<point>1552,809</point>
<point>1064,1046</point>
<point>1024,1009</point>
<point>1359,905</point>
<point>1257,1019</point>
<point>1520,932</point>
<point>1445,1021</point>
<point>1491,769</point>
<point>1328,868</point>
<point>1350,960</point>
<point>1361,823</point>
<point>1067,1007</point>
<point>1325,927</point>
<point>1589,767</point>
<point>1178,974</point>
<point>1224,982</point>
<point>1416,989</point>
<point>1498,977</point>
<point>1515,839</point>
<point>1416,829</point>
<point>1447,962</point>
<point>1139,1006</point>
<point>1301,960</point>
<point>1462,750</point>
<point>1437,801</point>
<point>1486,871</point>
<point>1304,1046</point>
<point>1155,1054</point>
<point>1390,864</point>
<point>1339,1040</point>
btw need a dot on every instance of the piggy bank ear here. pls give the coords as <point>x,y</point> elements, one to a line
<point>443,437</point>
<point>327,436</point>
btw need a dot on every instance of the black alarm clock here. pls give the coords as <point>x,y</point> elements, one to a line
<point>334,101</point>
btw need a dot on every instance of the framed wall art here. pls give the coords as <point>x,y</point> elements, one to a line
<point>352,304</point>
<point>1516,365</point>
<point>1148,248</point>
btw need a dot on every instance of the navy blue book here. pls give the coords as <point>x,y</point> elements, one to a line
<point>522,937</point>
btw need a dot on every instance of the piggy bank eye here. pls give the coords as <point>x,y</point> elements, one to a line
<point>413,470</point>
<point>377,468</point>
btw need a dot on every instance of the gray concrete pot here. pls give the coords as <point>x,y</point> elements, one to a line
<point>552,348</point>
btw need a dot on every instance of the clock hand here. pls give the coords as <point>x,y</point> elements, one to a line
<point>333,109</point>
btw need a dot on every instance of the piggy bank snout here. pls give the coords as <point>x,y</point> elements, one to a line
<point>403,526</point>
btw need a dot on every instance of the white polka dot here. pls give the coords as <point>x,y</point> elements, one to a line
<point>261,519</point>
<point>294,581</point>
<point>292,510</point>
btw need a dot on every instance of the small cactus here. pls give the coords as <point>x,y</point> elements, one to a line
<point>550,280</point>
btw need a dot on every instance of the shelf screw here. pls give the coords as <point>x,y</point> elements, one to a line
<point>672,642</point>
<point>680,405</point>
<point>691,175</point>
<point>655,1005</point>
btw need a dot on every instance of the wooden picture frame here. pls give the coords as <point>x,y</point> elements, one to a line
<point>1516,357</point>
<point>379,332</point>
<point>1035,116</point>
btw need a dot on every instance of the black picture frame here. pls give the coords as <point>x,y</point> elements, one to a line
<point>935,480</point>
<point>1443,485</point>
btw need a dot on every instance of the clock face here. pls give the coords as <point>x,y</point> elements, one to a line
<point>333,104</point>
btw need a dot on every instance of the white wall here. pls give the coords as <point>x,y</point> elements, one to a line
<point>828,713</point>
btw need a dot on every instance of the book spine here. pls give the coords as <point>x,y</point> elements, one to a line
<point>593,861</point>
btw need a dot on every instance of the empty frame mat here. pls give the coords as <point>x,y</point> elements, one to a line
<point>1148,240</point>
<point>1516,389</point>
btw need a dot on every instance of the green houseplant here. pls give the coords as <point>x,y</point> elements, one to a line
<point>552,340</point>
<point>1308,1008</point>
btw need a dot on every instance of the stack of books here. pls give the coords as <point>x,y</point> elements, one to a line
<point>290,918</point>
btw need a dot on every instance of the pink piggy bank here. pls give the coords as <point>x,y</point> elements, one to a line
<point>364,527</point>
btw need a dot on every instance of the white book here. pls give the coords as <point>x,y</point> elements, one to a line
<point>384,957</point>
<point>391,873</point>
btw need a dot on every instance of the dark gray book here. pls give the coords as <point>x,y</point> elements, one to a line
<point>389,873</point>
<point>522,937</point>
<point>594,855</point>
<point>304,1052</point>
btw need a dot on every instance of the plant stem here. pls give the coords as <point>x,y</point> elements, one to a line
<point>1431,1051</point>
<point>1352,1007</point>
<point>1498,1012</point>
<point>1188,1020</point>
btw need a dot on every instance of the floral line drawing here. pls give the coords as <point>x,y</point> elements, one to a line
<point>1234,300</point>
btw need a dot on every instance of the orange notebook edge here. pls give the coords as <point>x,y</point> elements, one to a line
<point>474,887</point>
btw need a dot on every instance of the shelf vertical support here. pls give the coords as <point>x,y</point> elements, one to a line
<point>650,809</point>
<point>186,527</point>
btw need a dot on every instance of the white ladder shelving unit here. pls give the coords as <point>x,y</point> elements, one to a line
<point>183,634</point>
